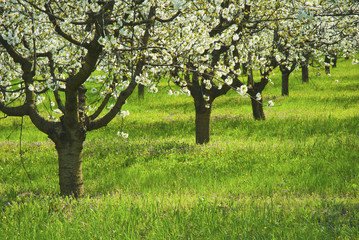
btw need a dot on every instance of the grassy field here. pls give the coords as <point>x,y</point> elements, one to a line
<point>292,176</point>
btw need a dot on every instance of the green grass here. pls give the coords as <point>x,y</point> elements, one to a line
<point>294,175</point>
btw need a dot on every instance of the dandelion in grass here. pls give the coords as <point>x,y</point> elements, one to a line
<point>270,103</point>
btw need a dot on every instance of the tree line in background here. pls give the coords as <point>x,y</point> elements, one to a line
<point>52,53</point>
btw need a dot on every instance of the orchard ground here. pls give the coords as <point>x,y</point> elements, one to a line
<point>294,175</point>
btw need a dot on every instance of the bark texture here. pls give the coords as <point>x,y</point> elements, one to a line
<point>327,64</point>
<point>70,168</point>
<point>141,92</point>
<point>305,72</point>
<point>285,83</point>
<point>257,109</point>
<point>203,116</point>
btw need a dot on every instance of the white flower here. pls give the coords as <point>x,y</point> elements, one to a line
<point>244,89</point>
<point>200,49</point>
<point>170,92</point>
<point>123,113</point>
<point>122,134</point>
<point>258,96</point>
<point>153,89</point>
<point>336,81</point>
<point>235,37</point>
<point>57,111</point>
<point>31,87</point>
<point>206,98</point>
<point>208,105</point>
<point>270,103</point>
<point>186,91</point>
<point>229,80</point>
<point>176,93</point>
<point>93,90</point>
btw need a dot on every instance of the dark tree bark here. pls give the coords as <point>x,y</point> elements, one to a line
<point>327,64</point>
<point>70,166</point>
<point>257,106</point>
<point>285,83</point>
<point>334,60</point>
<point>141,92</point>
<point>257,109</point>
<point>305,72</point>
<point>203,116</point>
<point>286,71</point>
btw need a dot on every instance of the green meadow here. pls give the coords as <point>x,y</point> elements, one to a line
<point>293,176</point>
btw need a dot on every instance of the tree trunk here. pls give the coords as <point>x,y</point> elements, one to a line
<point>335,58</point>
<point>327,64</point>
<point>141,92</point>
<point>285,83</point>
<point>257,108</point>
<point>203,116</point>
<point>70,167</point>
<point>305,72</point>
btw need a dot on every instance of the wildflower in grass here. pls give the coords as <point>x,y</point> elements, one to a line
<point>176,93</point>
<point>122,134</point>
<point>270,103</point>
<point>123,113</point>
<point>170,92</point>
<point>336,81</point>
<point>93,90</point>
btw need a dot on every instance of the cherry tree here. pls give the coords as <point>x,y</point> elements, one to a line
<point>55,54</point>
<point>213,40</point>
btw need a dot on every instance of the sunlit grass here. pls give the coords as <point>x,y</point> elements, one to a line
<point>294,175</point>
